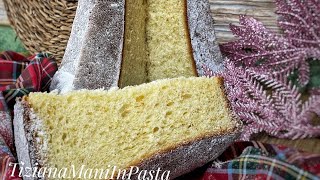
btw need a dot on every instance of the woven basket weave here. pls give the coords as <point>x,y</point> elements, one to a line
<point>42,25</point>
<point>45,25</point>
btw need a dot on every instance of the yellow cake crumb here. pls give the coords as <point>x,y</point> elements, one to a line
<point>120,127</point>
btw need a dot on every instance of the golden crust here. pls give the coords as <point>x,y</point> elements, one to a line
<point>188,142</point>
<point>190,154</point>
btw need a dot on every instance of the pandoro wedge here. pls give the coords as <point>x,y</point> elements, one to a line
<point>175,124</point>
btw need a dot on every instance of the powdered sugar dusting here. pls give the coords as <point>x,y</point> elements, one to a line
<point>201,27</point>
<point>37,128</point>
<point>63,79</point>
<point>30,137</point>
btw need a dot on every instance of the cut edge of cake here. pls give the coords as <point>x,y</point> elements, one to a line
<point>188,156</point>
<point>32,150</point>
<point>30,153</point>
<point>203,48</point>
<point>177,159</point>
<point>63,80</point>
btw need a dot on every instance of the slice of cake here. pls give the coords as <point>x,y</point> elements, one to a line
<point>121,43</point>
<point>176,125</point>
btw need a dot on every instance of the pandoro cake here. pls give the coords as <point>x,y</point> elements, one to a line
<point>174,124</point>
<point>120,43</point>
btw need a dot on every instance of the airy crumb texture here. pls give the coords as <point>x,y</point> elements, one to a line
<point>121,127</point>
<point>156,43</point>
<point>168,42</point>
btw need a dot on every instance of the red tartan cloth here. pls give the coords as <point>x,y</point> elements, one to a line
<point>255,160</point>
<point>19,76</point>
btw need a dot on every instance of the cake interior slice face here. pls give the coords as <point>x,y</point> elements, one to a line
<point>133,68</point>
<point>156,43</point>
<point>168,41</point>
<point>122,127</point>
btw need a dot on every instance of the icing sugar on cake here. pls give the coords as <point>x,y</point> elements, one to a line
<point>121,43</point>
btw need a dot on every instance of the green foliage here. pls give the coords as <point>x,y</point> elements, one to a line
<point>315,74</point>
<point>9,40</point>
<point>314,77</point>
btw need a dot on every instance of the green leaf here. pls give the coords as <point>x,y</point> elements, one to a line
<point>314,77</point>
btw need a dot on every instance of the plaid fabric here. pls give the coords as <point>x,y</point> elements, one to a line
<point>6,157</point>
<point>254,160</point>
<point>18,77</point>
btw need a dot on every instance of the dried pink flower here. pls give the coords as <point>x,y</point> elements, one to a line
<point>259,48</point>
<point>269,104</point>
<point>259,64</point>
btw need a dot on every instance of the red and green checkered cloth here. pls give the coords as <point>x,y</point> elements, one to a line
<point>254,160</point>
<point>18,77</point>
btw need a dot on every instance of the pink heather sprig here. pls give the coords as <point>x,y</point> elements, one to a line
<point>268,104</point>
<point>300,42</point>
<point>259,63</point>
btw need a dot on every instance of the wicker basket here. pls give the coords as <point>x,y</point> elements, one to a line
<point>45,25</point>
<point>42,25</point>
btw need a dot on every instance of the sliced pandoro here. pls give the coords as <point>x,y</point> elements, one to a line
<point>120,43</point>
<point>175,124</point>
